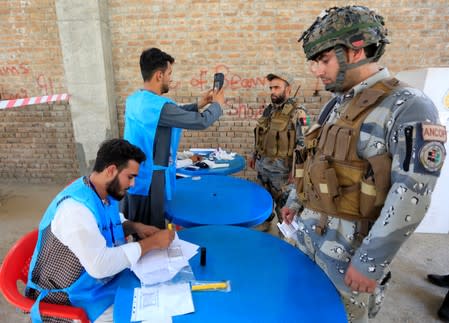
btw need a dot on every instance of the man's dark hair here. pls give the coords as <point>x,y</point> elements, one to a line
<point>117,152</point>
<point>152,60</point>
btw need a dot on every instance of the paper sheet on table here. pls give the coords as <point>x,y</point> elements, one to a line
<point>184,154</point>
<point>221,154</point>
<point>183,163</point>
<point>158,266</point>
<point>213,165</point>
<point>160,302</point>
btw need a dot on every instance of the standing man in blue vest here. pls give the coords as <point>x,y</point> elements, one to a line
<point>153,123</point>
<point>81,255</point>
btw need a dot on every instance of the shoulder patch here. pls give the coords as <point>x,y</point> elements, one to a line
<point>434,132</point>
<point>432,156</point>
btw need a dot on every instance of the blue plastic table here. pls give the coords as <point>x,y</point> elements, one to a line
<point>271,281</point>
<point>235,165</point>
<point>208,200</point>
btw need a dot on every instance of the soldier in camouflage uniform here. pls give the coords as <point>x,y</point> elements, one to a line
<point>278,131</point>
<point>370,163</point>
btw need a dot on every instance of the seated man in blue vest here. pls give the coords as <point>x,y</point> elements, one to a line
<point>153,123</point>
<point>81,255</point>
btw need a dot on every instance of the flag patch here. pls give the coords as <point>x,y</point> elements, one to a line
<point>432,156</point>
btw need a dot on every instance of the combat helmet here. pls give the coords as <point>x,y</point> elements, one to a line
<point>352,27</point>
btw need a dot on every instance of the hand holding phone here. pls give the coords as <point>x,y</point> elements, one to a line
<point>218,81</point>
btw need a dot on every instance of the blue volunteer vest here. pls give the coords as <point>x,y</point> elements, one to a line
<point>142,113</point>
<point>91,294</point>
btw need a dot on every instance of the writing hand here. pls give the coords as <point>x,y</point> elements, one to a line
<point>143,230</point>
<point>164,238</point>
<point>159,240</point>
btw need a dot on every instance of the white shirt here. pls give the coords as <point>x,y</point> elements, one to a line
<point>75,226</point>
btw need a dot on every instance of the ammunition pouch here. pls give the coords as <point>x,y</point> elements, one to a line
<point>332,179</point>
<point>276,135</point>
<point>301,156</point>
<point>260,133</point>
<point>374,187</point>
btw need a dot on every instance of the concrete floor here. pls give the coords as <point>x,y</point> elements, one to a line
<point>410,298</point>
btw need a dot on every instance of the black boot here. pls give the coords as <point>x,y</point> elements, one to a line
<point>443,312</point>
<point>439,280</point>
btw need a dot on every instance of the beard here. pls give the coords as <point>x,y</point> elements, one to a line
<point>113,189</point>
<point>278,99</point>
<point>165,88</point>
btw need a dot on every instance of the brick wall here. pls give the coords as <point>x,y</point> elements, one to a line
<point>247,40</point>
<point>30,56</point>
<point>36,142</point>
<point>243,39</point>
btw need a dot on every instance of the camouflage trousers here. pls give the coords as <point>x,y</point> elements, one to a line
<point>358,306</point>
<point>277,185</point>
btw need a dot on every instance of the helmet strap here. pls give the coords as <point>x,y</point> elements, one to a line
<point>337,86</point>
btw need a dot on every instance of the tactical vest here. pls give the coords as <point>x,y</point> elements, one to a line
<point>331,178</point>
<point>275,135</point>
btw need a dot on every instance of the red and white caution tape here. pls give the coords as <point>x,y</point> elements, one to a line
<point>7,104</point>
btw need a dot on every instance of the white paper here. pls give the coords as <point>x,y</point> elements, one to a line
<point>288,230</point>
<point>184,154</point>
<point>213,165</point>
<point>158,320</point>
<point>183,163</point>
<point>158,266</point>
<point>202,150</point>
<point>160,302</point>
<point>221,154</point>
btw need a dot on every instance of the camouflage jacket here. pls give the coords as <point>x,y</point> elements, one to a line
<point>391,127</point>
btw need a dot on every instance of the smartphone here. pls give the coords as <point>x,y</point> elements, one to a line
<point>218,81</point>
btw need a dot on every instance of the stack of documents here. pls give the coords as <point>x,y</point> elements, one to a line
<point>202,151</point>
<point>158,266</point>
<point>217,154</point>
<point>221,154</point>
<point>157,304</point>
<point>213,165</point>
<point>183,162</point>
<point>159,298</point>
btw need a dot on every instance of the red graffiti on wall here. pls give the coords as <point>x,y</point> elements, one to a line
<point>233,81</point>
<point>45,84</point>
<point>16,94</point>
<point>201,81</point>
<point>18,69</point>
<point>244,110</point>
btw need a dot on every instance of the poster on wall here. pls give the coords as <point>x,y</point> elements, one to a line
<point>435,83</point>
